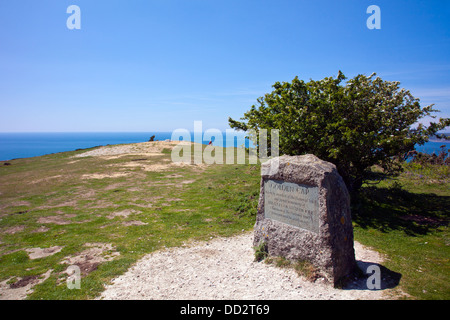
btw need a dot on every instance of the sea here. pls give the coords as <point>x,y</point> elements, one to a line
<point>25,145</point>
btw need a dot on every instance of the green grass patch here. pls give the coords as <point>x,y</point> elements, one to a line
<point>407,220</point>
<point>58,200</point>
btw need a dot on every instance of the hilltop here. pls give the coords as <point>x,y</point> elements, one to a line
<point>105,208</point>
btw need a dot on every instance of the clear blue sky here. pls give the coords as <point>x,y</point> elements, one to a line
<point>158,65</point>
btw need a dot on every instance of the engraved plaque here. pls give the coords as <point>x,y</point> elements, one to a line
<point>291,203</point>
<point>304,214</point>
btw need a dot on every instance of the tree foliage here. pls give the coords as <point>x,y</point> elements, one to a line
<point>354,124</point>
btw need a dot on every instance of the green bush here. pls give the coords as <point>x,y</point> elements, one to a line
<point>364,122</point>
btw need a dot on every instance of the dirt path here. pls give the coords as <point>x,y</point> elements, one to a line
<point>142,148</point>
<point>224,268</point>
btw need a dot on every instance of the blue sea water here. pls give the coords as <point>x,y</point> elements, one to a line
<point>24,145</point>
<point>434,146</point>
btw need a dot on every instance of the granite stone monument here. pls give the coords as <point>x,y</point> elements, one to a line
<point>304,214</point>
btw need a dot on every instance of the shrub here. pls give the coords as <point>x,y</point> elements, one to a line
<point>355,125</point>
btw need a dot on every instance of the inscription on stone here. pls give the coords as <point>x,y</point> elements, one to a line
<point>304,214</point>
<point>292,203</point>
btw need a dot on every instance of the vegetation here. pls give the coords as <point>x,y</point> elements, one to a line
<point>261,252</point>
<point>122,202</point>
<point>406,218</point>
<point>355,125</point>
<point>74,203</point>
<point>433,159</point>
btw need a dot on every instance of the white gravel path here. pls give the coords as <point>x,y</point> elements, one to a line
<point>224,268</point>
<point>140,148</point>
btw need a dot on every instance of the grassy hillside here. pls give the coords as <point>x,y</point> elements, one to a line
<point>103,213</point>
<point>107,212</point>
<point>406,218</point>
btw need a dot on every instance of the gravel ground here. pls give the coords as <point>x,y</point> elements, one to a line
<point>148,148</point>
<point>224,268</point>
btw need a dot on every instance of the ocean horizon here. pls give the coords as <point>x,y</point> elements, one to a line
<point>16,145</point>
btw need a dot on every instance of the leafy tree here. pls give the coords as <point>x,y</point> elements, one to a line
<point>354,124</point>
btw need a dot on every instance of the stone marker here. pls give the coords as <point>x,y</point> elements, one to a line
<point>304,214</point>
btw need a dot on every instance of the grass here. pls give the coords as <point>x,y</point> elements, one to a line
<point>171,206</point>
<point>261,252</point>
<point>141,211</point>
<point>406,219</point>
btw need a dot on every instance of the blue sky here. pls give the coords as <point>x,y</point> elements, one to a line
<point>159,65</point>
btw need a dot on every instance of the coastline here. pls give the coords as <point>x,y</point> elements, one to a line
<point>28,145</point>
